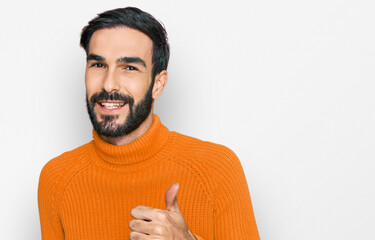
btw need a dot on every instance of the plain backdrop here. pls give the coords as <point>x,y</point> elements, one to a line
<point>288,85</point>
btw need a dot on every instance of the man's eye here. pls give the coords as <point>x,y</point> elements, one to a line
<point>131,68</point>
<point>98,65</point>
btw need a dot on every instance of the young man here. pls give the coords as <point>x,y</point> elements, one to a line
<point>123,184</point>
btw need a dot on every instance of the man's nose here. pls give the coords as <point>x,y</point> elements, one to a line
<point>111,82</point>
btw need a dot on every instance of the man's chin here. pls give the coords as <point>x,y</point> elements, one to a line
<point>112,130</point>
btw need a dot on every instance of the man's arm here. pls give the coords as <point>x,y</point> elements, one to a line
<point>50,223</point>
<point>234,216</point>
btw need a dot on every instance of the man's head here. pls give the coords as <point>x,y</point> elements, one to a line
<point>127,57</point>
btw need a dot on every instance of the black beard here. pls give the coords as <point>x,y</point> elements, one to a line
<point>107,127</point>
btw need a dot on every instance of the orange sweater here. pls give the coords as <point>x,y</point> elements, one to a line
<point>88,193</point>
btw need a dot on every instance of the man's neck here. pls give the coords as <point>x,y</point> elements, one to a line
<point>134,135</point>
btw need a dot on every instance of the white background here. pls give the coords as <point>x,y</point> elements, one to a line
<point>288,85</point>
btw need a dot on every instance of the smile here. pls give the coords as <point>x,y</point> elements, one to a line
<point>111,105</point>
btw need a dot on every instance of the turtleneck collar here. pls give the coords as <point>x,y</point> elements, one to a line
<point>141,149</point>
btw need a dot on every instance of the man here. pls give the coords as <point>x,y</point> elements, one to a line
<point>124,183</point>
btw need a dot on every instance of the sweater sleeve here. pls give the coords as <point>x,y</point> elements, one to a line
<point>50,223</point>
<point>234,217</point>
<point>198,238</point>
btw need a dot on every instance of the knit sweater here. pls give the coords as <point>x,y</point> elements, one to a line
<point>88,193</point>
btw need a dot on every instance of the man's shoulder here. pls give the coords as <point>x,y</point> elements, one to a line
<point>203,151</point>
<point>67,162</point>
<point>216,165</point>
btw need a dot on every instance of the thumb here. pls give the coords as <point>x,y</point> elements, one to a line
<point>171,198</point>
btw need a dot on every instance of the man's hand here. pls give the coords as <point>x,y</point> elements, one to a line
<point>153,223</point>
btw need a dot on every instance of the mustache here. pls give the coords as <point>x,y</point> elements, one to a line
<point>103,95</point>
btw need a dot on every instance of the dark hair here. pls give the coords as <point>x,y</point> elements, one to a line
<point>136,19</point>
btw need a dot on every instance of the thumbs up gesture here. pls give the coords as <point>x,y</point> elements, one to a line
<point>153,223</point>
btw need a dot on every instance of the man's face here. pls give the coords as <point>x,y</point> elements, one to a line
<point>118,80</point>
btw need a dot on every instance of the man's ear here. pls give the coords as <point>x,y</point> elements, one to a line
<point>161,80</point>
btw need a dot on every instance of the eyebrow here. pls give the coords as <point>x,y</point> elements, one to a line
<point>95,57</point>
<point>137,60</point>
<point>132,60</point>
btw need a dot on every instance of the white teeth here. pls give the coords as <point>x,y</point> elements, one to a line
<point>111,105</point>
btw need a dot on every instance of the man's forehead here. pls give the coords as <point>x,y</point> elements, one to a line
<point>114,43</point>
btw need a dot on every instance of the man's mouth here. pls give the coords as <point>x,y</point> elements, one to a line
<point>111,105</point>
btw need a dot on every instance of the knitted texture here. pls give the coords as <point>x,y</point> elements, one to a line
<point>88,193</point>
